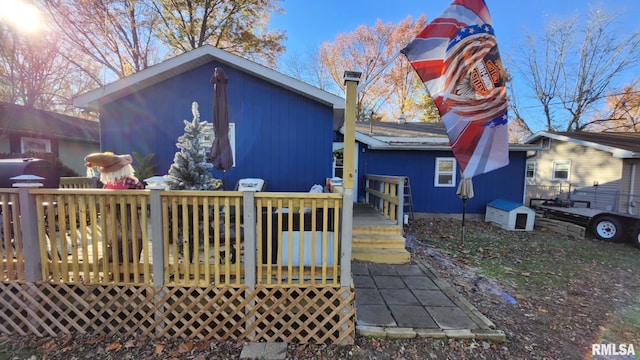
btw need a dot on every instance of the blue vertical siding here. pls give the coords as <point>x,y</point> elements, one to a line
<point>281,136</point>
<point>506,183</point>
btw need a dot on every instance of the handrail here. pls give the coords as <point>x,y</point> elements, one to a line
<point>386,193</point>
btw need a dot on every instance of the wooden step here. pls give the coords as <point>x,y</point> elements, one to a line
<point>382,256</point>
<point>376,230</point>
<point>378,241</point>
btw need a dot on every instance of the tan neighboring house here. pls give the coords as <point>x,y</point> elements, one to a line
<point>27,131</point>
<point>601,168</point>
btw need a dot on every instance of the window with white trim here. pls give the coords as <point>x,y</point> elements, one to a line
<point>445,174</point>
<point>561,170</point>
<point>530,172</point>
<point>32,145</point>
<point>208,135</point>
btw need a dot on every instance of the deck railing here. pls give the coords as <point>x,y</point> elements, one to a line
<point>12,268</point>
<point>78,182</point>
<point>162,237</point>
<point>206,265</point>
<point>386,193</point>
<point>298,239</point>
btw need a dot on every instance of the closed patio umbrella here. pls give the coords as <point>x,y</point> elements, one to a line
<point>465,192</point>
<point>221,155</point>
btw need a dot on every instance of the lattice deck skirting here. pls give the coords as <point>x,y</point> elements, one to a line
<point>303,315</point>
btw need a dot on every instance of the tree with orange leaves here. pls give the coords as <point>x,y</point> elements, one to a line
<point>623,111</point>
<point>391,87</point>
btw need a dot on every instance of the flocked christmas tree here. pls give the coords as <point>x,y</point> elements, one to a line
<point>190,169</point>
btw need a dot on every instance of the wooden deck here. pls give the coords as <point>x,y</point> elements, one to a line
<point>376,238</point>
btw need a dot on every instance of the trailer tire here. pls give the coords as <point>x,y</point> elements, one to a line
<point>635,239</point>
<point>607,228</point>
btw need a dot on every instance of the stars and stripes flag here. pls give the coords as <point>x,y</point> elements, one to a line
<point>457,58</point>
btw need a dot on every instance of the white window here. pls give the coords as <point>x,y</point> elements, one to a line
<point>531,170</point>
<point>561,170</point>
<point>209,136</point>
<point>31,145</point>
<point>445,175</point>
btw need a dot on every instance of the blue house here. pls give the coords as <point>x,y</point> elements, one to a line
<point>285,132</point>
<point>281,128</point>
<point>421,152</point>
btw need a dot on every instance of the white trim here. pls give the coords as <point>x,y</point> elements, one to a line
<point>526,169</point>
<point>24,141</point>
<point>416,143</point>
<point>553,170</point>
<point>190,60</point>
<point>615,152</point>
<point>417,140</point>
<point>370,141</point>
<point>207,139</point>
<point>336,146</point>
<point>437,172</point>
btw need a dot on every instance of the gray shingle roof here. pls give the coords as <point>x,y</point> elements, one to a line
<point>45,124</point>
<point>620,145</point>
<point>624,141</point>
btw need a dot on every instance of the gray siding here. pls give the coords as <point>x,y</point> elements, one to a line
<point>630,196</point>
<point>72,154</point>
<point>588,167</point>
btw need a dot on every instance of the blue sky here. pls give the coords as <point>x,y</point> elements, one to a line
<point>309,23</point>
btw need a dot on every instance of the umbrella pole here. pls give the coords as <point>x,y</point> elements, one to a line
<point>464,211</point>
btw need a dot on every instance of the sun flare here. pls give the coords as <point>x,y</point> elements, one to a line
<point>21,14</point>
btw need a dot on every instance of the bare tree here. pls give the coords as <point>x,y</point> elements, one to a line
<point>117,34</point>
<point>308,68</point>
<point>573,66</point>
<point>34,73</point>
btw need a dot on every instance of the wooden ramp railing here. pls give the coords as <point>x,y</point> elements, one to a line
<point>386,193</point>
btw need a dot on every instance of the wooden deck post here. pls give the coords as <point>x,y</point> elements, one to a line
<point>29,226</point>
<point>351,79</point>
<point>157,184</point>
<point>156,233</point>
<point>249,215</point>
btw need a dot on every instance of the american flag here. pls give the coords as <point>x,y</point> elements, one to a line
<point>457,58</point>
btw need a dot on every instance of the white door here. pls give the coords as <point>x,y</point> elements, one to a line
<point>336,171</point>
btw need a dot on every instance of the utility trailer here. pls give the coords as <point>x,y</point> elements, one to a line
<point>605,225</point>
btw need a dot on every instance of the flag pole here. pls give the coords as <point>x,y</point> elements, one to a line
<point>375,76</point>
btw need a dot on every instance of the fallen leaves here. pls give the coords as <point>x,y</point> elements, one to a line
<point>48,345</point>
<point>185,347</point>
<point>545,272</point>
<point>113,347</point>
<point>583,296</point>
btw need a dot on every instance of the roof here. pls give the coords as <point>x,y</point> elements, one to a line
<point>45,124</point>
<point>505,205</point>
<point>190,60</point>
<point>620,145</point>
<point>410,136</point>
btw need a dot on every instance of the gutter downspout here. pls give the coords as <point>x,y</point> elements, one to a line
<point>632,186</point>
